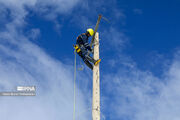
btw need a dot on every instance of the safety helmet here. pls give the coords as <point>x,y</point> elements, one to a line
<point>90,31</point>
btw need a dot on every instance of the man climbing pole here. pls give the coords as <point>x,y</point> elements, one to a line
<point>83,48</point>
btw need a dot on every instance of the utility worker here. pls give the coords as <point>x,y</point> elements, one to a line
<point>83,48</point>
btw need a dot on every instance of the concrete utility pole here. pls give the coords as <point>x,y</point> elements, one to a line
<point>96,82</point>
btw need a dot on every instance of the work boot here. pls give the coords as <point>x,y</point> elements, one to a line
<point>97,61</point>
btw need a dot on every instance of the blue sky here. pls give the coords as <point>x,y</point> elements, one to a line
<point>139,48</point>
<point>148,26</point>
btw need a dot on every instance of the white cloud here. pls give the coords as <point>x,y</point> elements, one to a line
<point>117,39</point>
<point>24,63</point>
<point>34,33</point>
<point>139,95</point>
<point>49,9</point>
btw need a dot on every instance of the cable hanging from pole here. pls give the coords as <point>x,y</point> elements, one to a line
<point>74,110</point>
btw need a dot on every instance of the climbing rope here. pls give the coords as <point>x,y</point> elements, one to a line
<point>74,111</point>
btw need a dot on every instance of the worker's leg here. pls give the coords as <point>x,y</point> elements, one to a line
<point>95,62</point>
<point>85,60</point>
<point>88,64</point>
<point>90,58</point>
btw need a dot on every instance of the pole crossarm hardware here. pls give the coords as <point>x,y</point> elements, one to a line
<point>95,30</point>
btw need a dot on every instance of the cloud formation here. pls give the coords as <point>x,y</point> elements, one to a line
<point>24,63</point>
<point>139,95</point>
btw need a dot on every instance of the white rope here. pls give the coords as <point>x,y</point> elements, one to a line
<point>74,111</point>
